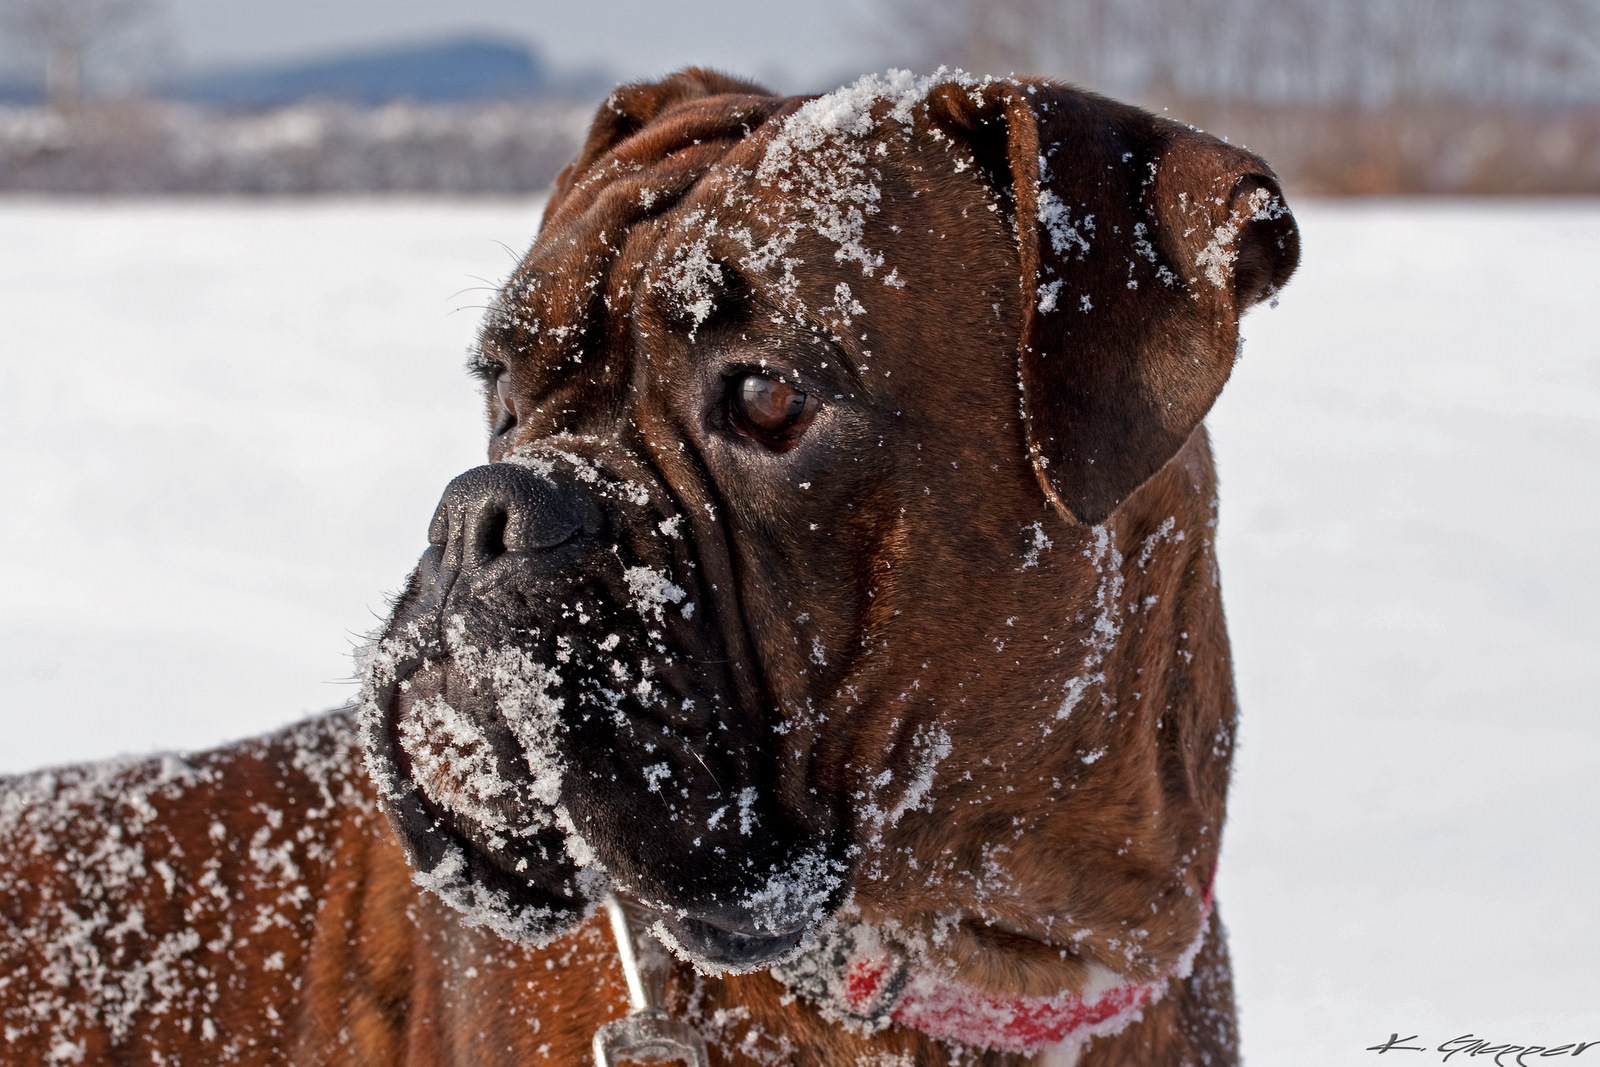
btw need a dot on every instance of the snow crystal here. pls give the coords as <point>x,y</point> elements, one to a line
<point>480,906</point>
<point>847,113</point>
<point>795,895</point>
<point>1216,259</point>
<point>845,304</point>
<point>886,1059</point>
<point>451,757</point>
<point>652,590</point>
<point>747,816</point>
<point>1168,530</point>
<point>818,159</point>
<point>1056,217</point>
<point>1036,543</point>
<point>692,277</point>
<point>456,768</point>
<point>1144,249</point>
<point>655,774</point>
<point>930,745</point>
<point>1106,627</point>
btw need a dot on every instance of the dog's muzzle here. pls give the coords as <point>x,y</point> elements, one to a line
<point>549,711</point>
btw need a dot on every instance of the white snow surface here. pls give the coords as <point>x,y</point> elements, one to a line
<point>224,426</point>
<point>223,430</point>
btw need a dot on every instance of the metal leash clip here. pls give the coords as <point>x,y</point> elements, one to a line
<point>647,1034</point>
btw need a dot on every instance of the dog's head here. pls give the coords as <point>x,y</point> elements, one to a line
<point>796,577</point>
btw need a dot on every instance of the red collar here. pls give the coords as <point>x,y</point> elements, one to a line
<point>856,978</point>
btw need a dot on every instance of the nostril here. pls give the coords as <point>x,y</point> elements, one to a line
<point>499,510</point>
<point>489,533</point>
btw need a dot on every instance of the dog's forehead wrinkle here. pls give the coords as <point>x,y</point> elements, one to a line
<point>819,161</point>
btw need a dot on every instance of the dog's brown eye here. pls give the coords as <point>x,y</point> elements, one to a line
<point>772,411</point>
<point>506,417</point>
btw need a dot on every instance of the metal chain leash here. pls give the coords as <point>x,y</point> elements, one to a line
<point>647,1034</point>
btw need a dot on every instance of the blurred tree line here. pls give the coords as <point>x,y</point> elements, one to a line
<point>1343,96</point>
<point>103,127</point>
<point>74,39</point>
<point>1370,53</point>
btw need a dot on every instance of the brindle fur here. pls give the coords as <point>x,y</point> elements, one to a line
<point>251,906</point>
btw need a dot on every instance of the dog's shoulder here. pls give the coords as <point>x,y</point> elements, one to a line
<point>250,905</point>
<point>134,887</point>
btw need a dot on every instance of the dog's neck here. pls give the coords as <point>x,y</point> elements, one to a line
<point>857,978</point>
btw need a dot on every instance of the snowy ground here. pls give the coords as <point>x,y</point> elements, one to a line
<point>223,428</point>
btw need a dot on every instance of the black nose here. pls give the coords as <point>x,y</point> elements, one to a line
<point>499,509</point>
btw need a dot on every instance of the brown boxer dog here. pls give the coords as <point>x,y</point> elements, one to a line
<point>841,591</point>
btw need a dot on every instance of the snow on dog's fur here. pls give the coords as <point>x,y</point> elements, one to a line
<point>843,575</point>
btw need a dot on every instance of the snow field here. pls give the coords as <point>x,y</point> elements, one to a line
<point>223,430</point>
<point>1410,509</point>
<point>224,426</point>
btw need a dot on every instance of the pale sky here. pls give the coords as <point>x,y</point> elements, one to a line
<point>810,45</point>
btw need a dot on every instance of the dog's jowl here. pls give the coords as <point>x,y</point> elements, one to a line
<point>840,592</point>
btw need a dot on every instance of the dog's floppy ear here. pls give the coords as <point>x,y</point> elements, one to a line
<point>630,108</point>
<point>1141,242</point>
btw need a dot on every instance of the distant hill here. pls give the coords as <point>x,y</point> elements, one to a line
<point>440,72</point>
<point>20,92</point>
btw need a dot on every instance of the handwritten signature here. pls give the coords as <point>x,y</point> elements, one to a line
<point>1472,1045</point>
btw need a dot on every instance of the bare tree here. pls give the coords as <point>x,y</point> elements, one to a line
<point>68,35</point>
<point>1374,53</point>
<point>1563,46</point>
<point>1072,39</point>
